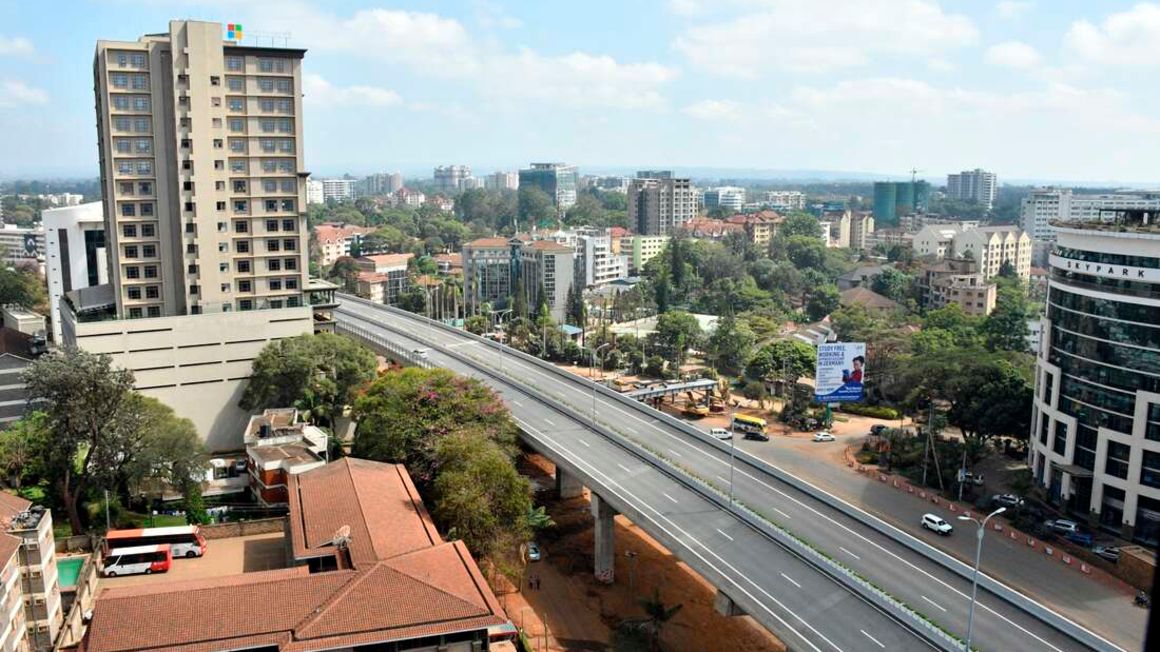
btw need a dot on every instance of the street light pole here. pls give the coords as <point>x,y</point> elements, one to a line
<point>978,557</point>
<point>594,381</point>
<point>732,449</point>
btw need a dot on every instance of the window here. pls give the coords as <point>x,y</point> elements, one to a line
<point>217,143</point>
<point>1150,470</point>
<point>289,185</point>
<point>217,124</point>
<point>131,251</point>
<point>192,248</point>
<point>237,104</point>
<point>288,205</point>
<point>286,146</point>
<point>126,187</point>
<point>243,247</point>
<point>149,251</point>
<point>144,167</point>
<point>275,284</point>
<point>273,265</point>
<point>267,145</point>
<point>153,311</point>
<point>141,103</point>
<point>148,230</point>
<point>141,125</point>
<point>270,185</point>
<point>237,146</point>
<point>271,225</point>
<point>1117,459</point>
<point>272,207</point>
<point>224,247</point>
<point>147,209</point>
<point>139,82</point>
<point>192,269</point>
<point>226,287</point>
<point>214,80</point>
<point>285,125</point>
<point>266,125</point>
<point>186,143</point>
<point>123,146</point>
<point>120,80</point>
<point>145,187</point>
<point>144,146</point>
<point>289,244</point>
<point>287,225</point>
<point>291,264</point>
<point>275,303</point>
<point>128,210</point>
<point>151,271</point>
<point>273,245</point>
<point>187,186</point>
<point>238,165</point>
<point>122,124</point>
<point>236,84</point>
<point>241,206</point>
<point>235,64</point>
<point>269,165</point>
<point>245,304</point>
<point>243,267</point>
<point>266,84</point>
<point>286,165</point>
<point>134,313</point>
<point>284,86</point>
<point>219,185</point>
<point>291,284</point>
<point>239,185</point>
<point>285,106</point>
<point>133,292</point>
<point>195,289</point>
<point>237,125</point>
<point>271,65</point>
<point>133,272</point>
<point>221,205</point>
<point>125,167</point>
<point>129,230</point>
<point>121,103</point>
<point>241,226</point>
<point>152,292</point>
<point>245,285</point>
<point>266,106</point>
<point>189,207</point>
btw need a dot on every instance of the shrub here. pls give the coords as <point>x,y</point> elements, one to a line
<point>872,411</point>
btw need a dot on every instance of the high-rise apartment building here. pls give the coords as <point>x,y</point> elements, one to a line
<point>895,198</point>
<point>558,180</point>
<point>502,181</point>
<point>314,191</point>
<point>1046,205</point>
<point>659,203</point>
<point>730,197</point>
<point>201,149</point>
<point>380,184</point>
<point>75,255</point>
<point>974,185</point>
<point>30,580</point>
<point>448,178</point>
<point>861,230</point>
<point>786,200</point>
<point>339,189</point>
<point>989,246</point>
<point>201,169</point>
<point>1096,419</point>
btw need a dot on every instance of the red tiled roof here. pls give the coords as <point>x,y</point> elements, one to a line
<point>386,260</point>
<point>8,547</point>
<point>454,260</point>
<point>488,243</point>
<point>331,232</point>
<point>705,227</point>
<point>11,505</point>
<point>618,231</point>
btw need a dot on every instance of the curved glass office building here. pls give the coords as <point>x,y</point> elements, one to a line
<point>1096,427</point>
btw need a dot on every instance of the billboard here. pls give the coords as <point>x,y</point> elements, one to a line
<point>840,369</point>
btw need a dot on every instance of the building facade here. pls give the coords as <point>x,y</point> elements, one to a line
<point>994,246</point>
<point>1044,206</point>
<point>549,267</point>
<point>729,197</point>
<point>786,200</point>
<point>383,277</point>
<point>861,230</point>
<point>956,281</point>
<point>75,254</point>
<point>28,528</point>
<point>659,204</point>
<point>639,249</point>
<point>314,192</point>
<point>1096,420</point>
<point>380,184</point>
<point>895,198</point>
<point>487,271</point>
<point>339,189</point>
<point>21,245</point>
<point>973,185</point>
<point>448,179</point>
<point>338,240</point>
<point>502,181</point>
<point>558,180</point>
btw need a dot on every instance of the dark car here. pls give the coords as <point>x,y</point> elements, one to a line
<point>1082,538</point>
<point>757,436</point>
<point>877,429</point>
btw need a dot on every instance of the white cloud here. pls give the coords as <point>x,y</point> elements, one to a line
<point>686,7</point>
<point>14,92</point>
<point>714,110</point>
<point>1013,54</point>
<point>317,90</point>
<point>1010,9</point>
<point>492,16</point>
<point>15,46</point>
<point>1128,38</point>
<point>809,36</point>
<point>938,64</point>
<point>576,79</point>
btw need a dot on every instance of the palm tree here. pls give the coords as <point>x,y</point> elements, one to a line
<point>658,614</point>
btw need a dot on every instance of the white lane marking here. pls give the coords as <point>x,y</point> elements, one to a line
<point>626,469</point>
<point>934,603</point>
<point>459,344</point>
<point>879,643</point>
<point>675,453</point>
<point>669,497</point>
<point>848,552</point>
<point>585,443</point>
<point>549,422</point>
<point>722,479</point>
<point>724,535</point>
<point>614,484</point>
<point>517,404</point>
<point>790,580</point>
<point>782,513</point>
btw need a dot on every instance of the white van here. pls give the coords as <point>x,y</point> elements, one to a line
<point>420,353</point>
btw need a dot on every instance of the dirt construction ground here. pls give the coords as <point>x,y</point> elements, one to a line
<point>581,613</point>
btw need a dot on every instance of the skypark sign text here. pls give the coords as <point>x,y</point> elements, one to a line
<point>1101,269</point>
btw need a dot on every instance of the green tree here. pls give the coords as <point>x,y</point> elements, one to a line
<point>476,324</point>
<point>414,299</point>
<point>20,444</point>
<point>893,284</point>
<point>324,370</point>
<point>84,399</point>
<point>821,300</point>
<point>345,271</point>
<point>1005,329</point>
<point>519,300</point>
<point>800,224</point>
<point>536,208</point>
<point>676,333</point>
<point>21,287</point>
<point>730,345</point>
<point>782,360</point>
<point>805,252</point>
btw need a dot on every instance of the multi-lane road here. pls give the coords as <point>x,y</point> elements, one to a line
<point>556,410</point>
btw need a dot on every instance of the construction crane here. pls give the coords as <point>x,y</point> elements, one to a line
<point>914,174</point>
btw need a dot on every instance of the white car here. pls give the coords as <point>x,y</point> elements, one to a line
<point>421,353</point>
<point>823,436</point>
<point>720,433</point>
<point>936,523</point>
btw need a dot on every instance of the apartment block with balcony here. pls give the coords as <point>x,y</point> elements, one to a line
<point>279,445</point>
<point>659,203</point>
<point>31,526</point>
<point>13,631</point>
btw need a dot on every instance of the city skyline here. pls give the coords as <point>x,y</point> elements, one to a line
<point>1028,90</point>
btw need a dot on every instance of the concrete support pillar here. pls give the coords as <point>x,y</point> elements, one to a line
<point>725,605</point>
<point>605,546</point>
<point>567,486</point>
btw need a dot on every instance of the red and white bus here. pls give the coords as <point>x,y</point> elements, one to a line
<point>183,540</point>
<point>136,560</point>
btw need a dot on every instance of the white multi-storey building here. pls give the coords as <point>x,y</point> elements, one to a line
<point>786,200</point>
<point>502,181</point>
<point>1096,419</point>
<point>730,197</point>
<point>974,185</point>
<point>75,255</point>
<point>448,179</point>
<point>314,192</point>
<point>659,204</point>
<point>1046,205</point>
<point>338,189</point>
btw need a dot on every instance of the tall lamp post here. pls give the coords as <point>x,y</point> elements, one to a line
<point>499,314</point>
<point>978,557</point>
<point>595,381</point>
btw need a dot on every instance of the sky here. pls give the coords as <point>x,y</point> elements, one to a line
<point>1029,89</point>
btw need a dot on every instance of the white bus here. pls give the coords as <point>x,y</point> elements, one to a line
<point>135,561</point>
<point>184,540</point>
